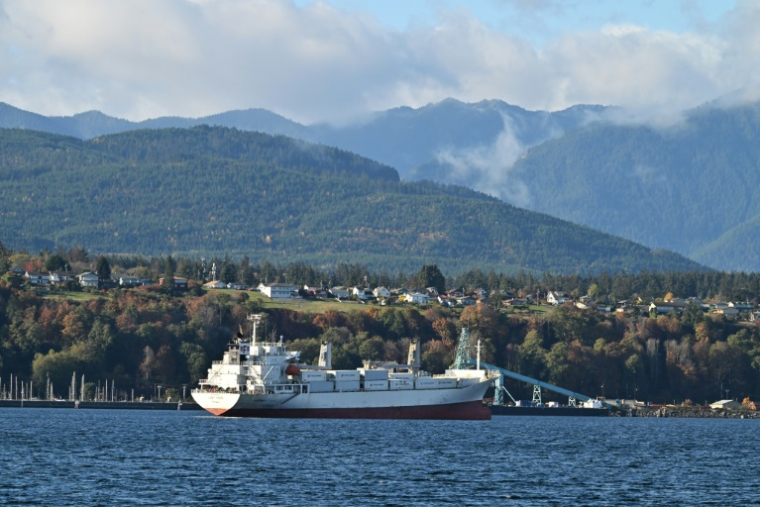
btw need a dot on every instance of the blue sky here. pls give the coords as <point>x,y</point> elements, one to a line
<point>338,60</point>
<point>548,18</point>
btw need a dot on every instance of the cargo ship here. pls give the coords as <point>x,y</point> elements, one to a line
<point>264,379</point>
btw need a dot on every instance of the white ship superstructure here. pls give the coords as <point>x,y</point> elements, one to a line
<point>264,379</point>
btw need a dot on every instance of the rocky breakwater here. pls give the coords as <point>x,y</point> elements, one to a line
<point>693,412</point>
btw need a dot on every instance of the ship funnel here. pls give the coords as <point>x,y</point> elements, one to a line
<point>413,360</point>
<point>325,355</point>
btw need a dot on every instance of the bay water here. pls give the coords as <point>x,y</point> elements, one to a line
<point>83,458</point>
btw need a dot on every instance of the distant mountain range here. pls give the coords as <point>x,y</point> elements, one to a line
<point>403,138</point>
<point>216,191</point>
<point>692,187</point>
<point>689,187</point>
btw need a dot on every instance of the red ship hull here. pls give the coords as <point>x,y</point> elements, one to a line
<point>468,411</point>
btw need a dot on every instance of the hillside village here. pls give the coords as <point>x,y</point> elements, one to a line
<point>453,298</point>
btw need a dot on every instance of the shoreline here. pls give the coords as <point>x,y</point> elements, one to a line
<point>690,413</point>
<point>114,405</point>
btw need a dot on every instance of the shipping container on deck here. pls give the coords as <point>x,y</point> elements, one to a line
<point>400,384</point>
<point>347,385</point>
<point>375,385</point>
<point>374,374</point>
<point>313,376</point>
<point>402,376</point>
<point>435,383</point>
<point>345,374</point>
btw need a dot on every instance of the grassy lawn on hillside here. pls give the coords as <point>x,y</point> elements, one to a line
<point>74,296</point>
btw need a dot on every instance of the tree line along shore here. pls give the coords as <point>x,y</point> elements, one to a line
<point>153,335</point>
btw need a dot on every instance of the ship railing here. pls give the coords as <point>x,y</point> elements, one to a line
<point>276,388</point>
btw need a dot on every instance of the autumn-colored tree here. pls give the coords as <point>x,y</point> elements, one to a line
<point>445,330</point>
<point>481,319</point>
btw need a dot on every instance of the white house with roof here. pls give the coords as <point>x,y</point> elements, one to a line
<point>278,290</point>
<point>417,298</point>
<point>481,293</point>
<point>362,293</point>
<point>340,292</point>
<point>129,281</point>
<point>215,284</point>
<point>88,279</point>
<point>557,298</point>
<point>56,278</point>
<point>37,278</point>
<point>381,292</point>
<point>662,307</point>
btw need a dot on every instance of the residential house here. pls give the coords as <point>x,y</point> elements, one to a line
<point>557,298</point>
<point>455,293</point>
<point>417,298</point>
<point>465,300</point>
<point>56,279</point>
<point>745,307</point>
<point>37,278</point>
<point>662,307</point>
<point>431,291</point>
<point>340,292</point>
<point>278,290</point>
<point>129,281</point>
<point>88,279</point>
<point>381,292</point>
<point>481,293</point>
<point>179,283</point>
<point>729,312</point>
<point>316,292</point>
<point>446,301</point>
<point>362,293</point>
<point>515,302</point>
<point>215,284</point>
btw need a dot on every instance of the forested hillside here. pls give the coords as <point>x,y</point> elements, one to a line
<point>693,187</point>
<point>403,137</point>
<point>206,191</point>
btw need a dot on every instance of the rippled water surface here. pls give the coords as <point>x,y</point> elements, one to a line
<point>83,458</point>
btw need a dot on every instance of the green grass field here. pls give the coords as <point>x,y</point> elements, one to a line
<point>74,296</point>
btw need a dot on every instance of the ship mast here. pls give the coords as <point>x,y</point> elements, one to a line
<point>255,318</point>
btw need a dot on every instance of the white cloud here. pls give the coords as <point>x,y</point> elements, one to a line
<point>146,58</point>
<point>488,168</point>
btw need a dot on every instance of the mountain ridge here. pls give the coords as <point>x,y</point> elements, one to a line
<point>213,190</point>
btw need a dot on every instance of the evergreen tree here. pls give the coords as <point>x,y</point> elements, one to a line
<point>169,274</point>
<point>431,276</point>
<point>102,269</point>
